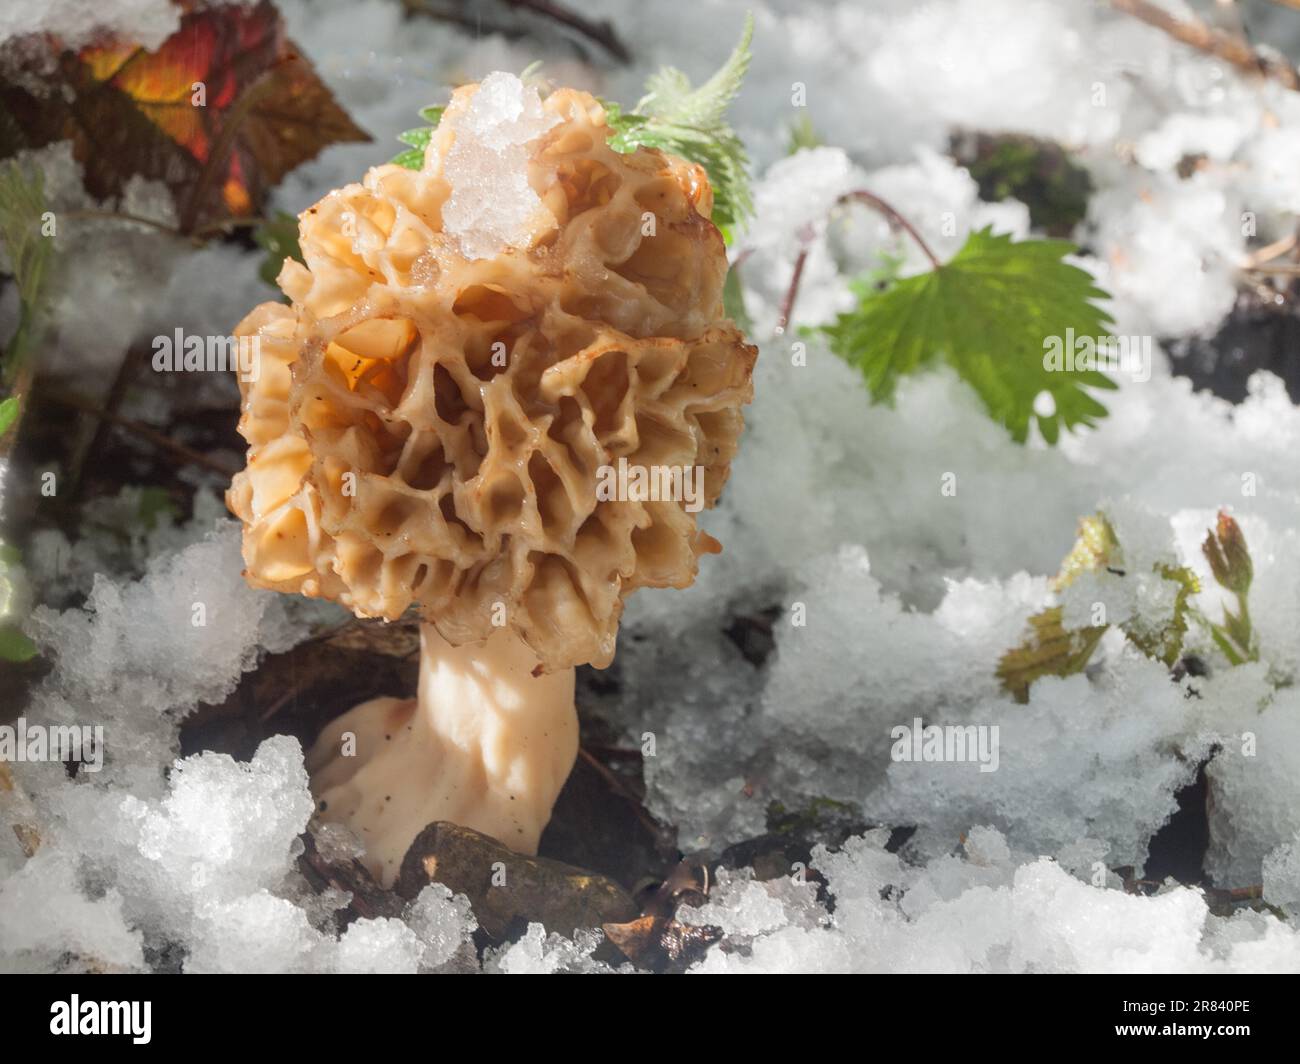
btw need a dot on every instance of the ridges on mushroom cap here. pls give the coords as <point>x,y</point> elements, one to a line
<point>394,461</point>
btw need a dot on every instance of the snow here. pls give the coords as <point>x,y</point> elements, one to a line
<point>1282,877</point>
<point>78,21</point>
<point>537,953</point>
<point>443,922</point>
<point>492,206</point>
<point>981,913</point>
<point>45,913</point>
<point>893,600</point>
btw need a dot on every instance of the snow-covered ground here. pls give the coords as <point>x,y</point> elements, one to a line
<point>904,546</point>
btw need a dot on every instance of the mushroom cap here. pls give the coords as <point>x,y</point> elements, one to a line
<point>429,429</point>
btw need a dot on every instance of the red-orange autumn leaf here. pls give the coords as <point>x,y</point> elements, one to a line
<point>219,112</point>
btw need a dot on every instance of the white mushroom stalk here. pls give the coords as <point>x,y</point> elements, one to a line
<point>487,743</point>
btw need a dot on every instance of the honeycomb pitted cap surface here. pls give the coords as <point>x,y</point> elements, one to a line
<point>428,428</point>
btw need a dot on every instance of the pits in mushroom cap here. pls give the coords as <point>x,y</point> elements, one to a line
<point>428,427</point>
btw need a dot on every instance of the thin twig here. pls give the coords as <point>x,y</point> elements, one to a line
<point>806,234</point>
<point>92,444</point>
<point>140,429</point>
<point>89,213</point>
<point>198,237</point>
<point>600,32</point>
<point>226,225</point>
<point>1226,46</point>
<point>1272,251</point>
<point>1279,269</point>
<point>791,293</point>
<point>622,789</point>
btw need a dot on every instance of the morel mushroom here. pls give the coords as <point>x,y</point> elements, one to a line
<point>471,348</point>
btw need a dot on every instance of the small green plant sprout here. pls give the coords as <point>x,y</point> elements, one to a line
<point>1051,649</point>
<point>1225,549</point>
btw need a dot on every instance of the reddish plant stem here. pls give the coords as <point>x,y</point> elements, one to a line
<point>1228,47</point>
<point>791,293</point>
<point>896,221</point>
<point>602,32</point>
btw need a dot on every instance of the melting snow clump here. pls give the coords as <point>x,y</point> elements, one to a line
<point>492,205</point>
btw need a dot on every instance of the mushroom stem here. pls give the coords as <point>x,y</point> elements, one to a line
<point>487,743</point>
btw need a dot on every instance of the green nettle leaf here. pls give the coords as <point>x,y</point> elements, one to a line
<point>991,312</point>
<point>692,122</point>
<point>418,139</point>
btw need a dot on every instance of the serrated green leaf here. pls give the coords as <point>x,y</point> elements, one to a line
<point>418,139</point>
<point>412,159</point>
<point>14,646</point>
<point>1164,641</point>
<point>1050,649</point>
<point>988,312</point>
<point>691,122</point>
<point>669,95</point>
<point>8,413</point>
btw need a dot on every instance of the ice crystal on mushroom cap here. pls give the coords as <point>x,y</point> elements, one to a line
<point>492,204</point>
<point>429,424</point>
